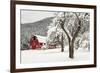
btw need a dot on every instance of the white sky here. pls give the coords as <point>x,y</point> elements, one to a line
<point>29,16</point>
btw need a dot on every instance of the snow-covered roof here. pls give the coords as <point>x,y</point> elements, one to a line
<point>41,38</point>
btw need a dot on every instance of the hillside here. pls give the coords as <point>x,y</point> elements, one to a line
<point>36,28</point>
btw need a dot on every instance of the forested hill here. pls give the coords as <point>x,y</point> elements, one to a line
<point>39,27</point>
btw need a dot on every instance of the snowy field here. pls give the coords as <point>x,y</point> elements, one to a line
<point>53,55</point>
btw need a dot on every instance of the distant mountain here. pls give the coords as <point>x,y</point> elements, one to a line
<point>38,28</point>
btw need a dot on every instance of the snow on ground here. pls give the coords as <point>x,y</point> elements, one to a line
<point>52,55</point>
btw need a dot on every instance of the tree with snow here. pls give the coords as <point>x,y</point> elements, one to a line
<point>55,34</point>
<point>73,25</point>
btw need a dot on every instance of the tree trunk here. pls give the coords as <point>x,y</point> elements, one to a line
<point>62,43</point>
<point>71,45</point>
<point>71,49</point>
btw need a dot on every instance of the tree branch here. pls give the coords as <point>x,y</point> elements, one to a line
<point>78,29</point>
<point>62,26</point>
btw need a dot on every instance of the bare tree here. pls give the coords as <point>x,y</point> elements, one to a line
<point>74,31</point>
<point>71,24</point>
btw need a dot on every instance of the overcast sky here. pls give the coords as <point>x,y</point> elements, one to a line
<point>29,16</point>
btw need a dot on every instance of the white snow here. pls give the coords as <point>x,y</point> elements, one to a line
<point>53,55</point>
<point>41,38</point>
